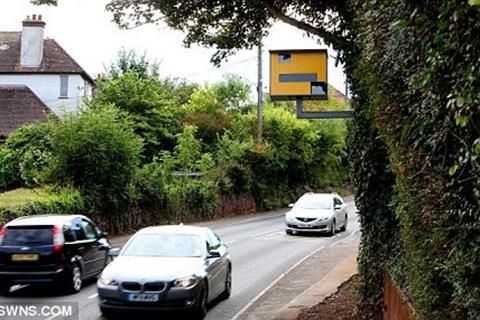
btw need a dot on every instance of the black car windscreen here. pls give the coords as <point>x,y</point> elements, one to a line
<point>38,236</point>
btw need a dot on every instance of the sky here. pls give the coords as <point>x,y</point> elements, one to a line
<point>85,30</point>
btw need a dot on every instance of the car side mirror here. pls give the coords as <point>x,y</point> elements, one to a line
<point>291,205</point>
<point>213,254</point>
<point>103,234</point>
<point>114,252</point>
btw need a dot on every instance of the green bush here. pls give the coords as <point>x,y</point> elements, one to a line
<point>25,156</point>
<point>64,201</point>
<point>153,104</point>
<point>151,183</point>
<point>97,152</point>
<point>9,169</point>
<point>294,154</point>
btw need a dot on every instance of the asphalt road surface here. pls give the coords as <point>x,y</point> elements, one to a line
<point>260,250</point>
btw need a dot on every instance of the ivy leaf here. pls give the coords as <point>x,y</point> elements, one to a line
<point>461,120</point>
<point>453,169</point>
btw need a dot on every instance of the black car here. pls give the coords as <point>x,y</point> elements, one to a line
<point>51,249</point>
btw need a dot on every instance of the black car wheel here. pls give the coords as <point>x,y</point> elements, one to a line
<point>228,286</point>
<point>74,280</point>
<point>200,309</point>
<point>289,232</point>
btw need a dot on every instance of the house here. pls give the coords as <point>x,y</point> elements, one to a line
<point>36,76</point>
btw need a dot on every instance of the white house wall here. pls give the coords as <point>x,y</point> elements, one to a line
<point>47,88</point>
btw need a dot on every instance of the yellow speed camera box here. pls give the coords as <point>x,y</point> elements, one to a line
<point>298,74</point>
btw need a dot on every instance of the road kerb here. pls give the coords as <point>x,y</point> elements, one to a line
<point>319,291</point>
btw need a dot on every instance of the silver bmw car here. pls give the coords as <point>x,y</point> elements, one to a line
<point>167,268</point>
<point>317,212</point>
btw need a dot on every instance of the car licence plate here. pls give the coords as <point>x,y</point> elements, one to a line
<point>142,297</point>
<point>25,257</point>
<point>303,225</point>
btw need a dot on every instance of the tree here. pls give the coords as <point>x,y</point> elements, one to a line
<point>233,92</point>
<point>97,152</point>
<point>134,86</point>
<point>130,61</point>
<point>211,107</point>
<point>233,25</point>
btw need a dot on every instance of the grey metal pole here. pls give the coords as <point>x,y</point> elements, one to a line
<point>260,93</point>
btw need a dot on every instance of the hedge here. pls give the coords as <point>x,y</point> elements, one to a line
<point>415,75</point>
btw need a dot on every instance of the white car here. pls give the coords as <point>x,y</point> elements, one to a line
<point>317,212</point>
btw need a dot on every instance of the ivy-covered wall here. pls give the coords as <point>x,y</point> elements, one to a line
<point>416,73</point>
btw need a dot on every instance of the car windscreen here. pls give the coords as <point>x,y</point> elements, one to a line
<point>31,236</point>
<point>314,203</point>
<point>164,245</point>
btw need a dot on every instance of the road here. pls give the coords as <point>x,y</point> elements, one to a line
<point>260,250</point>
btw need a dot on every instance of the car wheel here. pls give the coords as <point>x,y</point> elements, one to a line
<point>228,286</point>
<point>74,281</point>
<point>344,227</point>
<point>201,306</point>
<point>107,313</point>
<point>289,232</point>
<point>4,288</point>
<point>333,228</point>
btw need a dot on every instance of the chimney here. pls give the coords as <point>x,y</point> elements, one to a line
<point>31,51</point>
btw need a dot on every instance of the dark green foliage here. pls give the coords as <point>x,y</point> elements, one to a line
<point>295,154</point>
<point>25,155</point>
<point>152,103</point>
<point>231,25</point>
<point>374,183</point>
<point>212,108</point>
<point>424,92</point>
<point>97,152</point>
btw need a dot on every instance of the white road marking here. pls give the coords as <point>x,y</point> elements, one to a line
<point>230,242</point>
<point>265,233</point>
<point>254,300</point>
<point>93,296</point>
<point>282,236</point>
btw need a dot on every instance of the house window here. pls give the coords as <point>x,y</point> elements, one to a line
<point>64,86</point>
<point>284,58</point>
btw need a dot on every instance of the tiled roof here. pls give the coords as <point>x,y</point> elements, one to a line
<point>55,58</point>
<point>19,106</point>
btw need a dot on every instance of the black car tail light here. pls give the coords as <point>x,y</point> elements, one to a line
<point>3,230</point>
<point>57,239</point>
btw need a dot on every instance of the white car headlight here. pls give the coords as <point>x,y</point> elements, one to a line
<point>107,281</point>
<point>185,282</point>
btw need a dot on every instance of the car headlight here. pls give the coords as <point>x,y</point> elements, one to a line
<point>324,218</point>
<point>185,282</point>
<point>108,281</point>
